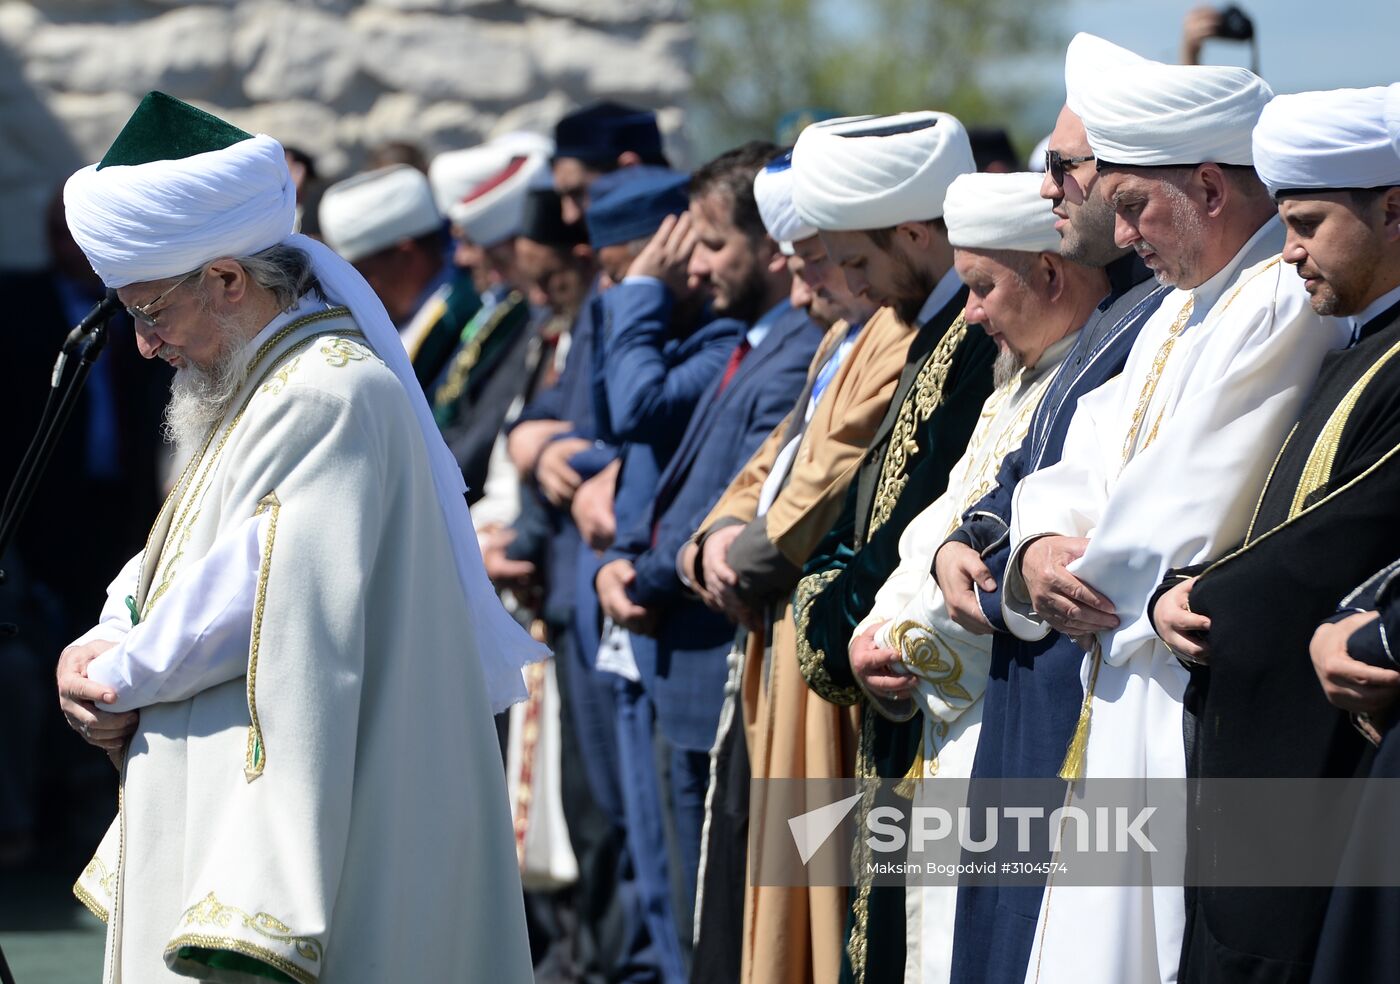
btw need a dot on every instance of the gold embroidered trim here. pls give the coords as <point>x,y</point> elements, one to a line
<point>209,911</point>
<point>812,662</point>
<point>91,903</point>
<point>858,946</point>
<point>183,527</point>
<point>919,403</point>
<point>1154,376</point>
<point>267,956</point>
<point>256,757</point>
<point>932,660</point>
<point>340,352</point>
<point>281,377</point>
<point>1317,471</point>
<point>465,361</point>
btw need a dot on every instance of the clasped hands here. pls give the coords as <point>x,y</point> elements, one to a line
<point>715,581</point>
<point>1062,600</point>
<point>80,698</point>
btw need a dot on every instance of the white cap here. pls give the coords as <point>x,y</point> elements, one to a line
<point>454,173</point>
<point>772,190</point>
<point>373,211</point>
<point>874,172</point>
<point>1000,211</point>
<point>1321,140</point>
<point>1144,113</point>
<point>494,210</point>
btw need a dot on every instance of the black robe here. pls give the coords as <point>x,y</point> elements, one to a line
<point>1325,520</point>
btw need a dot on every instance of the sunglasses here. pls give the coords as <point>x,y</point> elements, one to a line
<point>1056,164</point>
<point>141,312</point>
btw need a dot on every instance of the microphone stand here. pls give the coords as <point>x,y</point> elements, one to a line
<point>85,342</point>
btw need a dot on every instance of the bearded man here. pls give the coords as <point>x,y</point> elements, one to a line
<point>300,801</point>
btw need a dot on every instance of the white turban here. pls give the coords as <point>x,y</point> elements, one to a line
<point>373,211</point>
<point>1145,113</point>
<point>1320,140</point>
<point>1392,115</point>
<point>454,173</point>
<point>1000,211</point>
<point>494,210</point>
<point>772,189</point>
<point>162,219</point>
<point>874,172</point>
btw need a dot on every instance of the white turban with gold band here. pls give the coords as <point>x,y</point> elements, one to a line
<point>156,220</point>
<point>1143,113</point>
<point>874,172</point>
<point>1000,211</point>
<point>772,190</point>
<point>1322,140</point>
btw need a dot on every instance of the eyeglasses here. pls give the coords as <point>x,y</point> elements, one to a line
<point>142,312</point>
<point>1056,164</point>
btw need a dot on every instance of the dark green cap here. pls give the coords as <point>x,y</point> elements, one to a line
<point>165,129</point>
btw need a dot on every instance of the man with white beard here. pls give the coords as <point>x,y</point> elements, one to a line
<point>908,654</point>
<point>300,801</point>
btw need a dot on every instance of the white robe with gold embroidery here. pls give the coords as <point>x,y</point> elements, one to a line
<point>1161,469</point>
<point>949,663</point>
<point>337,810</point>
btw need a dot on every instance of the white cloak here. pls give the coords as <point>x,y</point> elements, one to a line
<point>336,811</point>
<point>1175,489</point>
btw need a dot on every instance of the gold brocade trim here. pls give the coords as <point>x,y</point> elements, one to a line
<point>1154,376</point>
<point>858,946</point>
<point>812,662</point>
<point>281,377</point>
<point>209,911</point>
<point>1317,471</point>
<point>256,756</point>
<point>91,903</point>
<point>340,352</point>
<point>1251,544</point>
<point>932,660</point>
<point>465,361</point>
<point>1253,519</point>
<point>182,527</point>
<point>919,403</point>
<point>269,957</point>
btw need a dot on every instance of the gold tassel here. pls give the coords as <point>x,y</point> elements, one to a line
<point>1072,769</point>
<point>908,784</point>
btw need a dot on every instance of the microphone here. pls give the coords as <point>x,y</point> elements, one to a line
<point>100,314</point>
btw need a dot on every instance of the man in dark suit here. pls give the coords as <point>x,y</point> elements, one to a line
<point>679,645</point>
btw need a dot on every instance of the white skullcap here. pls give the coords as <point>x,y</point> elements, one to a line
<point>372,211</point>
<point>523,143</point>
<point>1000,211</point>
<point>494,211</point>
<point>1321,140</point>
<point>772,189</point>
<point>1392,116</point>
<point>163,218</point>
<point>454,173</point>
<point>874,172</point>
<point>1145,113</point>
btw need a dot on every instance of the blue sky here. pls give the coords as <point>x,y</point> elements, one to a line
<point>1303,44</point>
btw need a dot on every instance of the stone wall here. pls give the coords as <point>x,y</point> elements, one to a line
<point>331,76</point>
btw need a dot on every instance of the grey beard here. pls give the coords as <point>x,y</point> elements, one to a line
<point>200,396</point>
<point>1005,368</point>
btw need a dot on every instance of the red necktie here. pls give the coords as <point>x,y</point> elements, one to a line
<point>736,357</point>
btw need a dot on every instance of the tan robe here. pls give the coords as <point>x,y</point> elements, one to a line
<point>794,935</point>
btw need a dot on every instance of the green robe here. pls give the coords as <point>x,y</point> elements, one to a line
<point>947,378</point>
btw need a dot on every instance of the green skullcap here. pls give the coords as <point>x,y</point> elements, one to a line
<point>165,129</point>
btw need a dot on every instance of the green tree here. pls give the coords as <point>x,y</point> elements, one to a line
<point>758,59</point>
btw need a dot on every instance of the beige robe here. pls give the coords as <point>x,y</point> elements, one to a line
<point>794,935</point>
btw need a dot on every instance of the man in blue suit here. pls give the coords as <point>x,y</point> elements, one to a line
<point>677,644</point>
